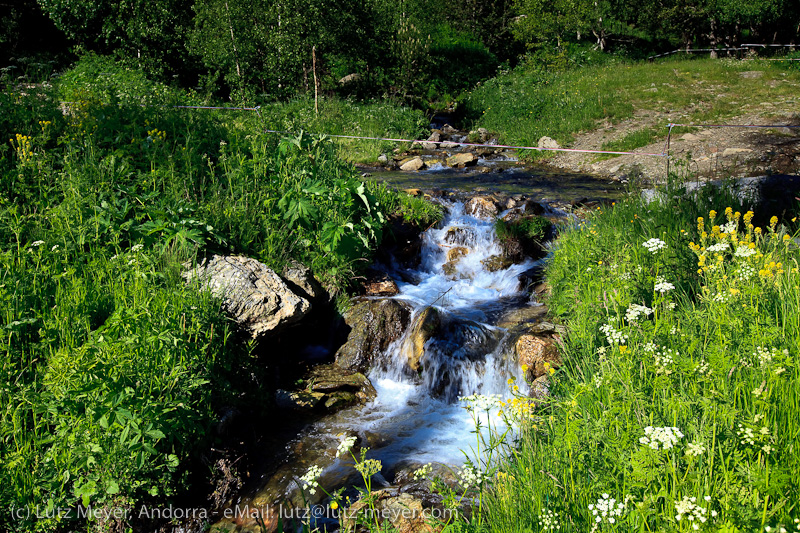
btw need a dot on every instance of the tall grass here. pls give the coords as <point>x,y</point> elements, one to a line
<point>677,405</point>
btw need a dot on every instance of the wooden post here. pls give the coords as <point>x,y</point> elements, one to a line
<point>316,87</point>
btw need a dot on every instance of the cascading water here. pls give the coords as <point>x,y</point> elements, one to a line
<point>417,412</point>
<point>452,348</point>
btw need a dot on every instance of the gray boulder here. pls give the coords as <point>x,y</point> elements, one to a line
<point>374,324</point>
<point>255,296</point>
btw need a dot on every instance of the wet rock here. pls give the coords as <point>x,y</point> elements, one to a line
<point>540,388</point>
<point>548,143</point>
<point>383,159</point>
<point>464,159</point>
<point>522,316</point>
<point>485,170</point>
<point>456,253</point>
<point>331,378</point>
<point>378,284</point>
<point>256,297</point>
<point>447,129</point>
<point>412,165</point>
<point>374,324</point>
<point>460,236</point>
<point>404,512</point>
<point>547,328</point>
<point>298,400</point>
<point>301,280</point>
<point>496,262</point>
<point>534,207</point>
<point>538,353</point>
<point>531,277</point>
<point>426,324</point>
<point>413,192</point>
<point>434,139</point>
<point>481,207</point>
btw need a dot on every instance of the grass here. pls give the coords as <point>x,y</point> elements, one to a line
<point>678,396</point>
<point>528,103</point>
<point>112,369</point>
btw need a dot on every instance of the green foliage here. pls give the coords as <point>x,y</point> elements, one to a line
<point>112,368</point>
<point>528,228</point>
<point>676,326</point>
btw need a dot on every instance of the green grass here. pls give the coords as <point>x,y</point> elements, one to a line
<point>112,369</point>
<point>528,103</point>
<point>714,355</point>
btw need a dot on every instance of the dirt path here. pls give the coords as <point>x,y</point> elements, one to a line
<point>710,152</point>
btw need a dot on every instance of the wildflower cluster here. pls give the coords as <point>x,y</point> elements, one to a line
<point>606,509</point>
<point>470,476</point>
<point>663,286</point>
<point>23,146</point>
<point>368,467</point>
<point>156,135</point>
<point>781,528</point>
<point>635,311</point>
<point>695,449</point>
<point>482,402</point>
<point>345,445</point>
<point>548,521</point>
<point>423,472</point>
<point>661,437</point>
<point>693,512</point>
<point>613,335</point>
<point>309,479</point>
<point>665,358</point>
<point>653,245</point>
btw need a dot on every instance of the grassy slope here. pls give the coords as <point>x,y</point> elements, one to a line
<point>716,359</point>
<point>526,104</point>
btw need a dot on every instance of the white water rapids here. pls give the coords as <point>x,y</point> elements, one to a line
<point>419,418</point>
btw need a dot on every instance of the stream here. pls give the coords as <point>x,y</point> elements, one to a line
<point>417,415</point>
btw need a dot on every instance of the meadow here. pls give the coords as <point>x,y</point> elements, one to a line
<point>530,101</point>
<point>676,408</point>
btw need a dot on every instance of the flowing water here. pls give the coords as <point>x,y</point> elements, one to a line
<point>418,417</point>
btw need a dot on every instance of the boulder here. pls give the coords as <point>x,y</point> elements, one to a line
<point>460,236</point>
<point>301,280</point>
<point>255,296</point>
<point>464,159</point>
<point>456,253</point>
<point>523,316</point>
<point>548,143</point>
<point>496,262</point>
<point>433,141</point>
<point>481,207</point>
<point>540,388</point>
<point>426,323</point>
<point>331,379</point>
<point>412,165</point>
<point>350,78</point>
<point>374,324</point>
<point>404,512</point>
<point>537,353</point>
<point>378,283</point>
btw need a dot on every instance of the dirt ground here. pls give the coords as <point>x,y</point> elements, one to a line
<point>708,151</point>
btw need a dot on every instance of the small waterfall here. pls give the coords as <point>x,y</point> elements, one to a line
<point>451,349</point>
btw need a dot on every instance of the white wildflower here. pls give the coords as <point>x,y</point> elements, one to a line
<point>345,445</point>
<point>548,521</point>
<point>634,311</point>
<point>309,479</point>
<point>730,227</point>
<point>744,251</point>
<point>137,247</point>
<point>422,472</point>
<point>606,509</point>
<point>695,449</point>
<point>661,437</point>
<point>689,509</point>
<point>663,286</point>
<point>481,402</point>
<point>36,244</point>
<point>54,248</point>
<point>470,476</point>
<point>719,247</point>
<point>654,245</point>
<point>613,335</point>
